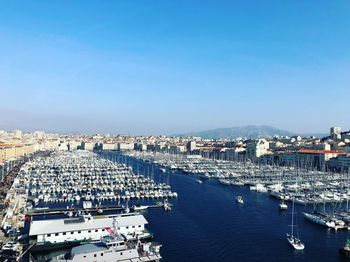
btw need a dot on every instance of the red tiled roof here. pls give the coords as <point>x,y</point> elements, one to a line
<point>211,148</point>
<point>9,145</point>
<point>312,151</point>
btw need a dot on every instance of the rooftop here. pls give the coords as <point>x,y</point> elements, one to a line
<point>312,151</point>
<point>51,226</point>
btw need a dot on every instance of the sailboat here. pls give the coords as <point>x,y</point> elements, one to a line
<point>293,240</point>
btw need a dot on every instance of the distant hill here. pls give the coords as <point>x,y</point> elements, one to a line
<point>250,131</point>
<point>319,135</point>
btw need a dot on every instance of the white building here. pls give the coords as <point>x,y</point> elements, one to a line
<point>51,232</point>
<point>88,145</point>
<point>335,132</point>
<point>39,134</point>
<point>63,146</point>
<point>177,149</point>
<point>108,146</point>
<point>17,134</point>
<point>73,145</point>
<point>257,148</point>
<point>125,146</point>
<point>191,146</point>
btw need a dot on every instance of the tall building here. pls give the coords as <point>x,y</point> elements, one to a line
<point>191,146</point>
<point>88,145</point>
<point>335,132</point>
<point>257,148</point>
<point>17,134</point>
<point>39,134</point>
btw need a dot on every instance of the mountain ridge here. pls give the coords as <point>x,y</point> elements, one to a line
<point>247,131</point>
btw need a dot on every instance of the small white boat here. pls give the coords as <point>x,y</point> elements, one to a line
<point>87,204</point>
<point>283,206</point>
<point>240,200</point>
<point>199,181</point>
<point>166,205</point>
<point>139,207</point>
<point>258,188</point>
<point>225,182</point>
<point>295,242</point>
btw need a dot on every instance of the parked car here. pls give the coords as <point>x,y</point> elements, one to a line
<point>12,232</point>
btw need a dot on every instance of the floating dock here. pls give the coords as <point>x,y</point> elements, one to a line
<point>62,211</point>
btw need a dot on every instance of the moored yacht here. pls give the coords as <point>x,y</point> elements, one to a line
<point>112,248</point>
<point>58,233</point>
<point>325,220</point>
<point>291,238</point>
<point>283,206</point>
<point>139,207</point>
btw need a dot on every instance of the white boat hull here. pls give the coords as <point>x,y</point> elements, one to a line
<point>295,242</point>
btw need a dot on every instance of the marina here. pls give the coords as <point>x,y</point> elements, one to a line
<point>71,199</point>
<point>313,187</point>
<point>174,131</point>
<point>234,223</point>
<point>70,178</point>
<point>113,248</point>
<point>74,216</point>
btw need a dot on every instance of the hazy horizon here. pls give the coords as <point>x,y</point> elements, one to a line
<point>165,67</point>
<point>325,132</point>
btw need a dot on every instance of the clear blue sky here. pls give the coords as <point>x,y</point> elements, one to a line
<point>164,67</point>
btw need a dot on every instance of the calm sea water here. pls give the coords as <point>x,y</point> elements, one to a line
<point>206,224</point>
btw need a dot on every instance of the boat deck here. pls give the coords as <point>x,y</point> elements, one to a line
<point>143,259</point>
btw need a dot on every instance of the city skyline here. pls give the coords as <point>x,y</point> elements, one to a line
<point>212,134</point>
<point>167,68</point>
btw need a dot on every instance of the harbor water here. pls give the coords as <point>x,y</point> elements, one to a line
<point>206,224</point>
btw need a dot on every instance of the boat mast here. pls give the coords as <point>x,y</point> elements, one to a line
<point>292,217</point>
<point>293,207</point>
<point>347,197</point>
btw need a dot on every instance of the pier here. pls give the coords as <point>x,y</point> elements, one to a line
<point>63,211</point>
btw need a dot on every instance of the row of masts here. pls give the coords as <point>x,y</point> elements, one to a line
<point>76,176</point>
